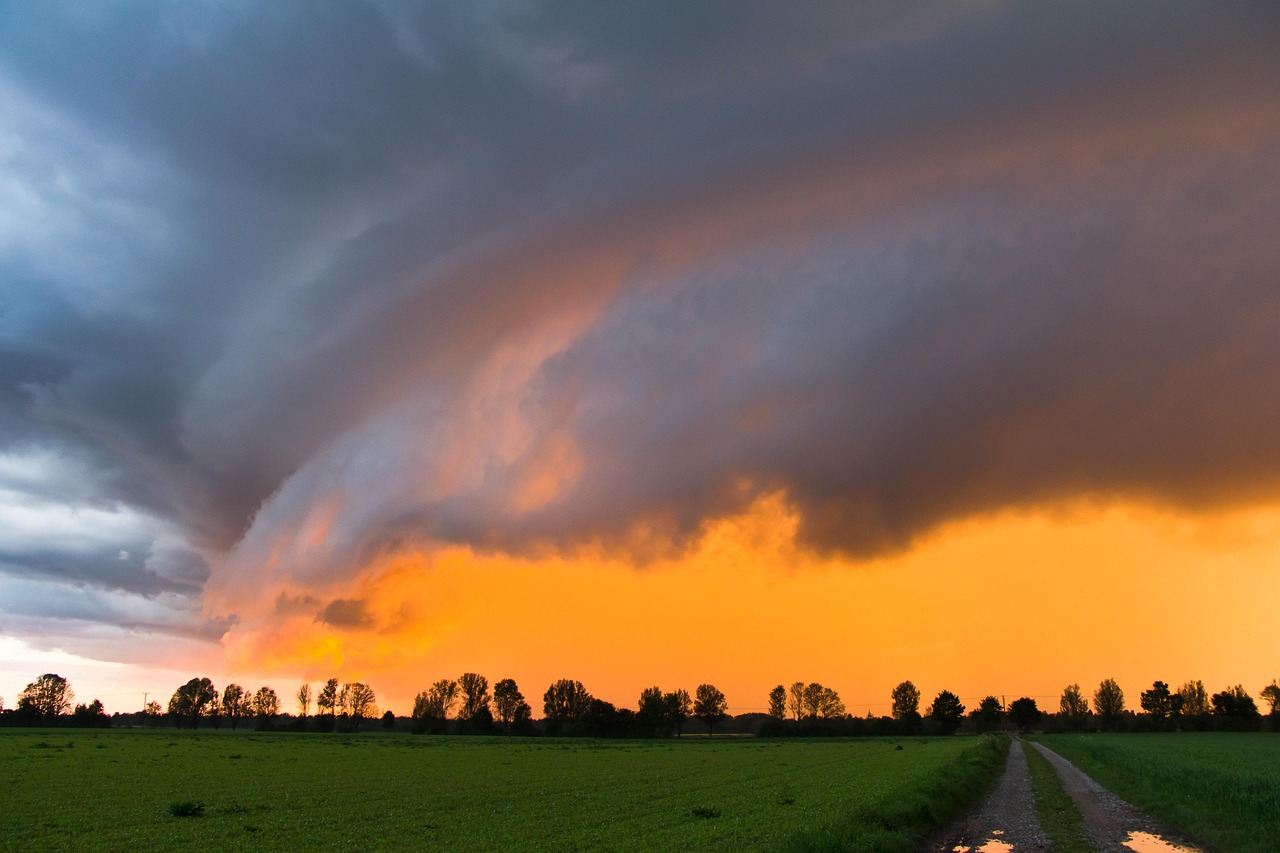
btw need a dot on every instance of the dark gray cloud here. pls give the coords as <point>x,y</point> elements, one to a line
<point>520,275</point>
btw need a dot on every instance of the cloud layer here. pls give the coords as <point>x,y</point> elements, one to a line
<point>290,288</point>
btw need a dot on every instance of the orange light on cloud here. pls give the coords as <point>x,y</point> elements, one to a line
<point>1017,604</point>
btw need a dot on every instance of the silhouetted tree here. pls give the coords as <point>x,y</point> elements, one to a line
<point>444,693</point>
<point>795,700</point>
<point>358,700</point>
<point>1024,714</point>
<point>304,700</point>
<point>1271,695</point>
<point>48,697</point>
<point>327,703</point>
<point>236,704</point>
<point>678,708</point>
<point>1158,701</point>
<point>1236,706</point>
<point>820,701</point>
<point>388,722</point>
<point>522,720</point>
<point>90,716</point>
<point>1108,702</point>
<point>266,704</point>
<point>431,708</point>
<point>906,700</point>
<point>946,712</point>
<point>651,712</point>
<point>481,722</point>
<point>152,712</point>
<point>778,702</point>
<point>710,706</point>
<point>1195,699</point>
<point>507,699</point>
<point>988,715</point>
<point>564,702</point>
<point>1073,707</point>
<point>193,700</point>
<point>475,695</point>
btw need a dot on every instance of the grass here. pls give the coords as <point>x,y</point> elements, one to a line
<point>111,790</point>
<point>1058,815</point>
<point>1222,789</point>
<point>899,821</point>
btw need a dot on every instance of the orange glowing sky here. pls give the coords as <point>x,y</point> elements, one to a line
<point>641,346</point>
<point>1014,604</point>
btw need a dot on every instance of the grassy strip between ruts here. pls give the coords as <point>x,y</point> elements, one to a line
<point>1221,788</point>
<point>1058,815</point>
<point>901,825</point>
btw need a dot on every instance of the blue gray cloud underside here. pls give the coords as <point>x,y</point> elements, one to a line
<point>403,267</point>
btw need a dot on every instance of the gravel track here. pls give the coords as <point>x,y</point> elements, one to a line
<point>1109,820</point>
<point>1004,822</point>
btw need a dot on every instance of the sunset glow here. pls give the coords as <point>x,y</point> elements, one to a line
<point>640,346</point>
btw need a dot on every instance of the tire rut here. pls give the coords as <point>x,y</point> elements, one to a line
<point>1005,822</point>
<point>1113,825</point>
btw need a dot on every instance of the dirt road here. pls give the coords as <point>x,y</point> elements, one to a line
<point>1006,822</point>
<point>1112,824</point>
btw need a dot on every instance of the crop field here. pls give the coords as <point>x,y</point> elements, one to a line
<point>166,789</point>
<point>1221,788</point>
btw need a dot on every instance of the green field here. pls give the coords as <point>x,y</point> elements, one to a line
<point>1222,789</point>
<point>115,790</point>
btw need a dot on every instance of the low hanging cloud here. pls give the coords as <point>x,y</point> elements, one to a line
<point>295,287</point>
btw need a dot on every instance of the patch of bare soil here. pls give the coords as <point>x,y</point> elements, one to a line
<point>1005,822</point>
<point>1113,825</point>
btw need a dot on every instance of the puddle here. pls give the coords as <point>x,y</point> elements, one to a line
<point>1145,842</point>
<point>995,845</point>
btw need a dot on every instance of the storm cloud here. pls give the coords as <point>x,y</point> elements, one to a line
<point>289,286</point>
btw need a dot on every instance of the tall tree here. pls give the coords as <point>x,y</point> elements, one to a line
<point>475,695</point>
<point>1158,701</point>
<point>507,700</point>
<point>988,715</point>
<point>327,701</point>
<point>678,706</point>
<point>236,704</point>
<point>710,706</point>
<point>304,700</point>
<point>49,696</point>
<point>778,702</point>
<point>266,704</point>
<point>361,703</point>
<point>651,712</point>
<point>1073,707</point>
<point>823,702</point>
<point>441,697</point>
<point>906,700</point>
<point>1195,699</point>
<point>193,700</point>
<point>1271,695</point>
<point>811,698</point>
<point>795,699</point>
<point>947,712</point>
<point>565,702</point>
<point>1108,702</point>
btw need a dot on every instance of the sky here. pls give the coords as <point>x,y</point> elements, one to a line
<point>652,343</point>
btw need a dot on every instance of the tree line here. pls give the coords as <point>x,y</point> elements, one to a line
<point>466,705</point>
